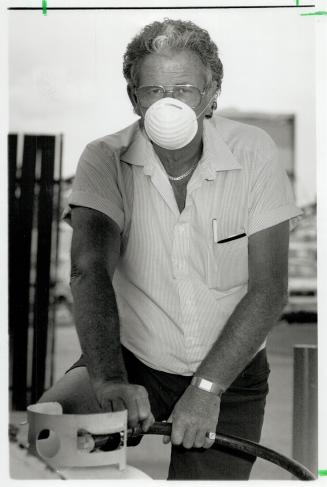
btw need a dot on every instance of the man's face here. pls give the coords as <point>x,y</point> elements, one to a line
<point>174,68</point>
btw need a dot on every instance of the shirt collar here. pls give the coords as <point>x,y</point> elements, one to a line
<point>217,156</point>
<point>138,151</point>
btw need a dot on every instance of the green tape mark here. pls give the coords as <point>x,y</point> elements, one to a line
<point>297,3</point>
<point>44,7</point>
<point>320,12</point>
<point>322,473</point>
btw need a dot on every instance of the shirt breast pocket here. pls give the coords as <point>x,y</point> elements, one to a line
<point>228,264</point>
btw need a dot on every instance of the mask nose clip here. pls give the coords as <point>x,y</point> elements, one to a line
<point>174,105</point>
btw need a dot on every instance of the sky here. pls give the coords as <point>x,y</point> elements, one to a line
<point>66,74</point>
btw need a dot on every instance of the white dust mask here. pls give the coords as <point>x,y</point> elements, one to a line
<point>170,123</point>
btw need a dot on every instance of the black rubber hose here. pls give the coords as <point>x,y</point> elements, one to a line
<point>241,445</point>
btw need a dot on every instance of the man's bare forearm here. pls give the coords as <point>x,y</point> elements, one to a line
<point>97,323</point>
<point>253,318</point>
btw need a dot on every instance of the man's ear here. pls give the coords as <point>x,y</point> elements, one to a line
<point>213,94</point>
<point>211,107</point>
<point>132,97</point>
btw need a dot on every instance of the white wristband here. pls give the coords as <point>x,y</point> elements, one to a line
<point>207,385</point>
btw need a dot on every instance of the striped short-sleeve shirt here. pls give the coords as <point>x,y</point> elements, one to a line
<point>175,286</point>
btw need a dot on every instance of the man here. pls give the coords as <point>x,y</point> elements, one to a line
<point>179,259</point>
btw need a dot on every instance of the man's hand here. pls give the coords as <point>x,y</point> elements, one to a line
<point>113,396</point>
<point>194,415</point>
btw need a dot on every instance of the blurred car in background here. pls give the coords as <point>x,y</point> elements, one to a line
<point>302,304</point>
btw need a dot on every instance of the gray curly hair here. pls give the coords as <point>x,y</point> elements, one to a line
<point>172,34</point>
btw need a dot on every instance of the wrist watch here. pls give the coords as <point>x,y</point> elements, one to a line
<point>207,385</point>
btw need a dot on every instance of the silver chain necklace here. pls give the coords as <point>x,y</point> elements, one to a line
<point>182,176</point>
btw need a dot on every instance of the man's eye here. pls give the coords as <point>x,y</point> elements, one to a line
<point>154,91</point>
<point>181,90</point>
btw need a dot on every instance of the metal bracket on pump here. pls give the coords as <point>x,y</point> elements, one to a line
<point>67,440</point>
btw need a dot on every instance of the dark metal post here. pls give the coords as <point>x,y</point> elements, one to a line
<point>20,271</point>
<point>305,406</point>
<point>42,289</point>
<point>57,198</point>
<point>13,242</point>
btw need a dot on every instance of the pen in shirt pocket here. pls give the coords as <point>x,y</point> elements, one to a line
<point>227,239</point>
